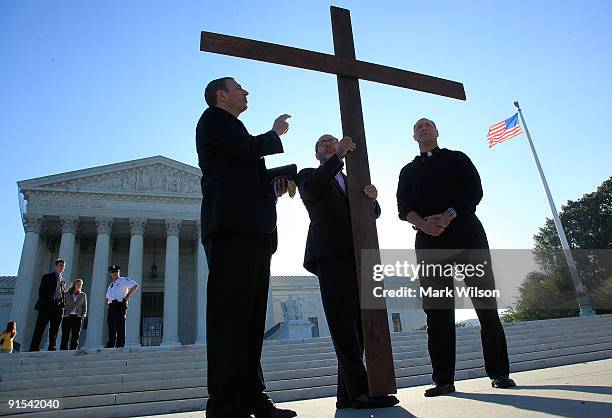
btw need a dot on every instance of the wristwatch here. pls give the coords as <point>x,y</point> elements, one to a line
<point>452,212</point>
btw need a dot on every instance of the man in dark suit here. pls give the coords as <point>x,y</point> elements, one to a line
<point>330,255</point>
<point>238,221</point>
<point>50,306</point>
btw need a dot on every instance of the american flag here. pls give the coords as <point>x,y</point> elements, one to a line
<point>504,130</point>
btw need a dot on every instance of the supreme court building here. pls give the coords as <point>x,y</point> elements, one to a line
<point>144,216</point>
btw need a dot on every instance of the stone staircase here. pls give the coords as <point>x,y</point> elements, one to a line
<point>155,380</point>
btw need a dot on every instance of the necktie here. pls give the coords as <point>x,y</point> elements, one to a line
<point>340,181</point>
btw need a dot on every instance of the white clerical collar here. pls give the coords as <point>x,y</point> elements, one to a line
<point>430,153</point>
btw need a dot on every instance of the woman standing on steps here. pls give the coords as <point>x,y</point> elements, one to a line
<point>74,314</point>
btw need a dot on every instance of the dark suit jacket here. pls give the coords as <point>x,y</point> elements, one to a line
<point>237,192</point>
<point>46,290</point>
<point>330,231</point>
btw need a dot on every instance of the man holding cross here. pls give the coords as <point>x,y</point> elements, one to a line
<point>238,221</point>
<point>330,255</point>
<point>438,193</point>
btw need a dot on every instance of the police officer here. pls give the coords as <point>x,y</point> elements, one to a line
<point>118,296</point>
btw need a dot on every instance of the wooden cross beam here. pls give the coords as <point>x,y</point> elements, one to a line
<point>379,358</point>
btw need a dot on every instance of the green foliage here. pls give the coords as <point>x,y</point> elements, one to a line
<point>550,293</point>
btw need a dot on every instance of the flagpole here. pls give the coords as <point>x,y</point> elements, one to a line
<point>583,301</point>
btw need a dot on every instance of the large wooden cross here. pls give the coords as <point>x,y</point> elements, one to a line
<point>379,358</point>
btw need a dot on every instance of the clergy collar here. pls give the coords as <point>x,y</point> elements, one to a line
<point>430,153</point>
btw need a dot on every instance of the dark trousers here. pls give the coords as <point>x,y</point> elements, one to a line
<point>441,344</point>
<point>238,280</point>
<point>71,327</point>
<point>116,324</point>
<point>467,246</point>
<point>46,315</point>
<point>340,297</point>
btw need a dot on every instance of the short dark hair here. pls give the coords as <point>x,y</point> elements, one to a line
<point>11,326</point>
<point>432,122</point>
<point>59,260</point>
<point>210,92</point>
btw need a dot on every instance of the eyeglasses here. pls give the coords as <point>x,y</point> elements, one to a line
<point>325,142</point>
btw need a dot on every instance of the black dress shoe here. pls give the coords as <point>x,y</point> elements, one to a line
<point>503,382</point>
<point>271,411</point>
<point>438,390</point>
<point>343,404</point>
<point>366,401</point>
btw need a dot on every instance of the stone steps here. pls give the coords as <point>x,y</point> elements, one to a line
<point>118,367</point>
<point>152,381</point>
<point>271,348</point>
<point>112,361</point>
<point>276,380</point>
<point>66,369</point>
<point>193,399</point>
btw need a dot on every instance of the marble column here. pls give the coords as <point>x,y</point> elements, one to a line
<point>25,276</point>
<point>200,290</point>
<point>171,284</point>
<point>96,300</point>
<point>69,225</point>
<point>135,268</point>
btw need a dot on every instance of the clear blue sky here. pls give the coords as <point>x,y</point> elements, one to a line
<point>91,83</point>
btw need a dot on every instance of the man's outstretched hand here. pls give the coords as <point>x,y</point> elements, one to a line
<point>281,126</point>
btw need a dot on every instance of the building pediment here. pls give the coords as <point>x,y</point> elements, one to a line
<point>154,176</point>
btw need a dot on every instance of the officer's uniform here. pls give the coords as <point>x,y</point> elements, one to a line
<point>117,309</point>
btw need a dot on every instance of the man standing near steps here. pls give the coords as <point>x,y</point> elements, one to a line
<point>330,255</point>
<point>438,193</point>
<point>239,235</point>
<point>50,306</point>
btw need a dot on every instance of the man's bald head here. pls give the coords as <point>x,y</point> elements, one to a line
<point>422,120</point>
<point>426,134</point>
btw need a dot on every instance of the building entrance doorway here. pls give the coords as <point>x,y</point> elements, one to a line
<point>151,327</point>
